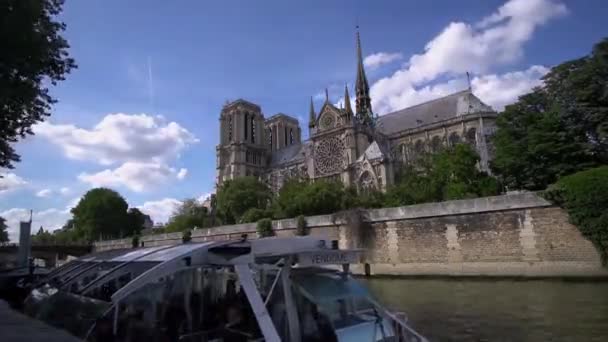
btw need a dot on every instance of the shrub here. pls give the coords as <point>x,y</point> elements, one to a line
<point>585,196</point>
<point>186,236</point>
<point>264,228</point>
<point>255,214</point>
<point>301,228</point>
<point>135,241</point>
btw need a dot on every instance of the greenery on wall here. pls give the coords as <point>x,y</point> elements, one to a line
<point>585,196</point>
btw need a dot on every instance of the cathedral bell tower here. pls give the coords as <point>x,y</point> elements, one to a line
<point>243,145</point>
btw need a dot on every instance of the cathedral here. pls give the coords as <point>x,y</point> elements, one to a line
<point>354,146</point>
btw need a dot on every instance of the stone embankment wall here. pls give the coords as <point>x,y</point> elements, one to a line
<point>510,235</point>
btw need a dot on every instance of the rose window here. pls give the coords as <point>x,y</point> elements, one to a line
<point>329,156</point>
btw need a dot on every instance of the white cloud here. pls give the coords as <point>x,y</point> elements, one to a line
<point>120,138</point>
<point>500,90</point>
<point>340,103</point>
<point>461,47</point>
<point>160,211</point>
<point>64,190</point>
<point>50,219</point>
<point>142,144</point>
<point>202,198</point>
<point>10,181</point>
<point>375,60</point>
<point>182,173</point>
<point>136,176</point>
<point>44,193</point>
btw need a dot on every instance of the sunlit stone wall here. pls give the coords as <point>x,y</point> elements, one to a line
<point>510,235</point>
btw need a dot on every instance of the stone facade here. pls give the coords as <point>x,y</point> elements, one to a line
<point>356,146</point>
<point>510,235</point>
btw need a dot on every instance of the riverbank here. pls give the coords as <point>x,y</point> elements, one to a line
<point>515,235</point>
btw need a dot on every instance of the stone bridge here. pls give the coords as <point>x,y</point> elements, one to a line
<point>50,253</point>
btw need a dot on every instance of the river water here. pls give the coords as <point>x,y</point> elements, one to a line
<point>499,310</point>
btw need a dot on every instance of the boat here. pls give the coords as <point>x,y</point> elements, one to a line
<point>266,289</point>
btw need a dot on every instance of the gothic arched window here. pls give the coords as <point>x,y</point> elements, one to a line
<point>270,138</point>
<point>290,136</point>
<point>230,128</point>
<point>436,144</point>
<point>454,139</point>
<point>366,181</point>
<point>245,128</point>
<point>419,147</point>
<point>285,136</point>
<point>470,136</point>
<point>253,129</point>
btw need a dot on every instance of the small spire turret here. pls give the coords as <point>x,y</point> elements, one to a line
<point>347,107</point>
<point>312,116</point>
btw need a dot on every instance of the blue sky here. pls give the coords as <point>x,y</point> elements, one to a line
<point>183,60</point>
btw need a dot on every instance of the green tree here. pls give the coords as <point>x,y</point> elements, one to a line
<point>136,221</point>
<point>301,226</point>
<point>585,196</point>
<point>534,147</point>
<point>256,214</point>
<point>455,171</point>
<point>298,197</point>
<point>264,228</point>
<point>3,231</point>
<point>448,175</point>
<point>237,196</point>
<point>558,129</point>
<point>34,56</point>
<point>188,215</point>
<point>101,213</point>
<point>579,89</point>
<point>187,236</point>
<point>43,237</point>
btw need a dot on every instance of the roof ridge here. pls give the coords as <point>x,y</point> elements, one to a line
<point>427,102</point>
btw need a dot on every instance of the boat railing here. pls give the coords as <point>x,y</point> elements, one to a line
<point>403,331</point>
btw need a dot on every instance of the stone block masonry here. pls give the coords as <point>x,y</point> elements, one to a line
<point>518,235</point>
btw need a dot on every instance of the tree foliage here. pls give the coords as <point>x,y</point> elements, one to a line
<point>264,228</point>
<point>189,215</point>
<point>102,213</point>
<point>558,129</point>
<point>237,196</point>
<point>43,237</point>
<point>301,226</point>
<point>256,214</point>
<point>137,219</point>
<point>3,231</point>
<point>585,196</point>
<point>448,175</point>
<point>34,56</point>
<point>299,197</point>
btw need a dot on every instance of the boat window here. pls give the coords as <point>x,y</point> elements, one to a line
<point>107,284</point>
<point>342,299</point>
<point>84,276</point>
<point>197,304</point>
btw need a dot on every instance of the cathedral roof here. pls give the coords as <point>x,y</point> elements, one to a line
<point>288,154</point>
<point>441,109</point>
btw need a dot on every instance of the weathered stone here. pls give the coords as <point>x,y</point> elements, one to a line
<point>511,235</point>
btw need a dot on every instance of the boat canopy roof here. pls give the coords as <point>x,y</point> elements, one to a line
<point>149,264</point>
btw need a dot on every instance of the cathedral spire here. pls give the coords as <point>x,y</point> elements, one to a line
<point>363,101</point>
<point>312,116</point>
<point>347,107</point>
